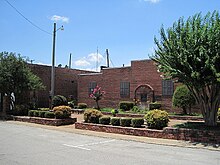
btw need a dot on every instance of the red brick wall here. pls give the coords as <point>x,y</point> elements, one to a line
<point>65,82</point>
<point>140,72</point>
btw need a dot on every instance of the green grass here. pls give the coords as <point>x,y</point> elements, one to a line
<point>197,125</point>
<point>179,114</point>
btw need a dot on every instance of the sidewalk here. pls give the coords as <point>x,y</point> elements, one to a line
<point>158,141</point>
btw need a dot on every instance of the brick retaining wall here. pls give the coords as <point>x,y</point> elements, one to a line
<point>192,135</point>
<point>45,121</point>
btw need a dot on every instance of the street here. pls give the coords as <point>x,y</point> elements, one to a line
<point>25,145</point>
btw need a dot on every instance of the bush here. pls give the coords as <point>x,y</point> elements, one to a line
<point>92,116</point>
<point>126,105</point>
<point>42,113</point>
<point>49,115</point>
<point>31,113</point>
<point>154,105</point>
<point>125,122</point>
<point>59,100</point>
<point>72,103</point>
<point>157,119</point>
<point>82,105</point>
<point>137,122</point>
<point>183,98</point>
<point>104,120</point>
<point>36,113</point>
<point>21,110</point>
<point>115,121</point>
<point>62,112</point>
<point>114,112</point>
<point>44,109</point>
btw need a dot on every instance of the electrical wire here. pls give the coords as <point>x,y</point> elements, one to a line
<point>33,24</point>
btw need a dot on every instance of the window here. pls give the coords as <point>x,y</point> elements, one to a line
<point>167,87</point>
<point>125,89</point>
<point>92,86</point>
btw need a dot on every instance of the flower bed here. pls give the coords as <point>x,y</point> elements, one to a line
<point>193,135</point>
<point>45,121</point>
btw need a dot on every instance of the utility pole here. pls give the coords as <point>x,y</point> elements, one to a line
<point>53,62</point>
<point>107,54</point>
<point>70,61</point>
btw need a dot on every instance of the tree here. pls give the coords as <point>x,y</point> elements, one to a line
<point>189,51</point>
<point>97,95</point>
<point>15,76</point>
<point>183,98</point>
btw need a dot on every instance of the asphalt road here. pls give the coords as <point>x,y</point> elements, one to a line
<point>25,145</point>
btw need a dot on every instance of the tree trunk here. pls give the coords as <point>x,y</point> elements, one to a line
<point>97,103</point>
<point>184,111</point>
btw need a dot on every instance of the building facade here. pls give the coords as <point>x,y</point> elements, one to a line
<point>140,82</point>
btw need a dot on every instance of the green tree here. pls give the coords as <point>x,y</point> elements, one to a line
<point>16,77</point>
<point>189,51</point>
<point>183,98</point>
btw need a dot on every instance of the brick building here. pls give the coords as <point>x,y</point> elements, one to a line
<point>140,81</point>
<point>66,82</point>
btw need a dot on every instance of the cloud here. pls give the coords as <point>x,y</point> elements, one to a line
<point>152,1</point>
<point>82,62</point>
<point>90,61</point>
<point>57,18</point>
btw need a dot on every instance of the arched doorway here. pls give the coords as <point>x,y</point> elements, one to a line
<point>144,94</point>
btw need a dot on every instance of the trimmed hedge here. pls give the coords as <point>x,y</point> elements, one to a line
<point>115,121</point>
<point>59,100</point>
<point>42,113</point>
<point>62,112</point>
<point>125,122</point>
<point>31,113</point>
<point>218,113</point>
<point>92,116</point>
<point>137,122</point>
<point>49,115</point>
<point>154,105</point>
<point>104,120</point>
<point>157,119</point>
<point>126,105</point>
<point>82,105</point>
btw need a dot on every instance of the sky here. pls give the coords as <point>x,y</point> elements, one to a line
<point>125,27</point>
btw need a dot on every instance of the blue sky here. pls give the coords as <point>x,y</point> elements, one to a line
<point>126,27</point>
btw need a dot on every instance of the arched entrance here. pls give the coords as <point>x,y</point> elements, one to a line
<point>144,94</point>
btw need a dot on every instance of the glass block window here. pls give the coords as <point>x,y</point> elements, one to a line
<point>92,86</point>
<point>167,87</point>
<point>125,89</point>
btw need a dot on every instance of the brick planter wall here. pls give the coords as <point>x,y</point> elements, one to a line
<point>45,121</point>
<point>167,133</point>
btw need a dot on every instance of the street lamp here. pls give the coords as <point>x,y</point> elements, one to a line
<point>53,60</point>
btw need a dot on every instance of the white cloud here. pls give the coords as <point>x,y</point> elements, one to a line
<point>82,62</point>
<point>57,18</point>
<point>152,1</point>
<point>90,62</point>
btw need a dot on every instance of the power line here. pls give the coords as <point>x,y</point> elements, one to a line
<point>33,24</point>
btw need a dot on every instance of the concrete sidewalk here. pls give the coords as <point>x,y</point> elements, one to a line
<point>159,141</point>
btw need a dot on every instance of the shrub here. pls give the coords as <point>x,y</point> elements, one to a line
<point>21,110</point>
<point>154,105</point>
<point>115,121</point>
<point>44,109</point>
<point>126,105</point>
<point>82,105</point>
<point>92,116</point>
<point>114,112</point>
<point>104,120</point>
<point>62,112</point>
<point>72,103</point>
<point>137,122</point>
<point>125,122</point>
<point>49,115</point>
<point>157,119</point>
<point>59,100</point>
<point>183,98</point>
<point>36,113</point>
<point>42,113</point>
<point>31,113</point>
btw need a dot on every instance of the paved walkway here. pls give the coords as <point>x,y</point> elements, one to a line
<point>159,141</point>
